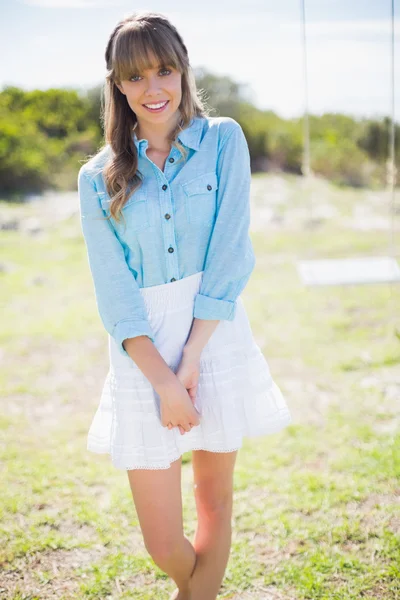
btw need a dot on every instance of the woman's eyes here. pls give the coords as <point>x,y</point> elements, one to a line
<point>133,76</point>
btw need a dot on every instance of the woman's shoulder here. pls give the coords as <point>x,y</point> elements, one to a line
<point>223,125</point>
<point>220,128</point>
<point>95,164</point>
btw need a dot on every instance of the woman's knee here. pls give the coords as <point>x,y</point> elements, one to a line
<point>213,483</point>
<point>158,501</point>
<point>213,501</point>
<point>164,549</point>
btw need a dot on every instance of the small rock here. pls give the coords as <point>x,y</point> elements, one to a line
<point>9,225</point>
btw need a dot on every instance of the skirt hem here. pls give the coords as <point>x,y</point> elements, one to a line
<point>272,428</point>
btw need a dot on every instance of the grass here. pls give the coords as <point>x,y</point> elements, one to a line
<point>316,511</point>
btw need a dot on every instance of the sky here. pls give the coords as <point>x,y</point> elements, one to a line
<point>61,43</point>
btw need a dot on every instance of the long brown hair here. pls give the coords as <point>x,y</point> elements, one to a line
<point>128,51</point>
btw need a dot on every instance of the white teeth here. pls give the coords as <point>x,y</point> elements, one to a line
<point>157,105</point>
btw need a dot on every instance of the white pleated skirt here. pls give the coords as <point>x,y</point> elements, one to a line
<point>236,395</point>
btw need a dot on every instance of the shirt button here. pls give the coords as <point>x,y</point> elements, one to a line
<point>173,279</point>
<point>170,249</point>
<point>164,187</point>
<point>171,160</point>
<point>209,187</point>
<point>167,216</point>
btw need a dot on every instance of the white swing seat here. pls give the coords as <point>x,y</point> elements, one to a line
<point>349,271</point>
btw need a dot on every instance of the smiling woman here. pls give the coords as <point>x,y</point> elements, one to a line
<point>186,373</point>
<point>158,90</point>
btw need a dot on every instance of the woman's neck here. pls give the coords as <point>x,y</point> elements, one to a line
<point>158,138</point>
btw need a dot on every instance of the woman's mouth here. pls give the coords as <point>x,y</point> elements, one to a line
<point>156,107</point>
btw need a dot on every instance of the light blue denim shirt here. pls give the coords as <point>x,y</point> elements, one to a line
<point>193,216</point>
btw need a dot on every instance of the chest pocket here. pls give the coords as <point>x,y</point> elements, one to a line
<point>200,196</point>
<point>135,213</point>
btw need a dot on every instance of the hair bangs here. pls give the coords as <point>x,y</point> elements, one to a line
<point>139,48</point>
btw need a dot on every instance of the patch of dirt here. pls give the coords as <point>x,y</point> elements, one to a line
<point>55,574</point>
<point>49,575</point>
<point>261,593</point>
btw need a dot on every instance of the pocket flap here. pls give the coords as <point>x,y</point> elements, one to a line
<point>206,183</point>
<point>137,196</point>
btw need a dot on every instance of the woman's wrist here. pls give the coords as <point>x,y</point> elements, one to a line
<point>168,382</point>
<point>153,366</point>
<point>200,333</point>
<point>192,351</point>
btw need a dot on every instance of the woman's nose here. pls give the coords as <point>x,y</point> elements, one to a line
<point>153,85</point>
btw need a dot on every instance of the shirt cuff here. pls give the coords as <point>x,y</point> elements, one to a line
<point>130,329</point>
<point>213,308</point>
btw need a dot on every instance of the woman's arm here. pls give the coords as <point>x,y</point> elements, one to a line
<point>119,302</point>
<point>200,333</point>
<point>230,257</point>
<point>145,354</point>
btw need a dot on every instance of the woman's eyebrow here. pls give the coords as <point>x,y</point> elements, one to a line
<point>154,68</point>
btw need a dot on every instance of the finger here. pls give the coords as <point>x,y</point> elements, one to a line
<point>181,429</point>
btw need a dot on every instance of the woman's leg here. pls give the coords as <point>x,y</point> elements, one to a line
<point>157,497</point>
<point>213,489</point>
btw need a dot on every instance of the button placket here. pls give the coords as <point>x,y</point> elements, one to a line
<point>170,235</point>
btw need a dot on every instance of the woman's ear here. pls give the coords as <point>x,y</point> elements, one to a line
<point>119,86</point>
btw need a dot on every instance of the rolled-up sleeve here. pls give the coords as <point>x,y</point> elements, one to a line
<point>230,257</point>
<point>119,301</point>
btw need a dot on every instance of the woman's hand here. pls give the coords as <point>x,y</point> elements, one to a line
<point>176,407</point>
<point>188,374</point>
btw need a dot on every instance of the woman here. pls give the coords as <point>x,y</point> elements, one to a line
<point>165,215</point>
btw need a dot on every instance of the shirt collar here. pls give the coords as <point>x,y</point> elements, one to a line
<point>190,136</point>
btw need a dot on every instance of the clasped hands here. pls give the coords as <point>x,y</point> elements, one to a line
<point>178,398</point>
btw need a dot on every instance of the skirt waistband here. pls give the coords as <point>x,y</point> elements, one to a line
<point>174,294</point>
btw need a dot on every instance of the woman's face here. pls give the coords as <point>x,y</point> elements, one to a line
<point>153,86</point>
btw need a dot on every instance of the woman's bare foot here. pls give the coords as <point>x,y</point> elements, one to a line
<point>177,595</point>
